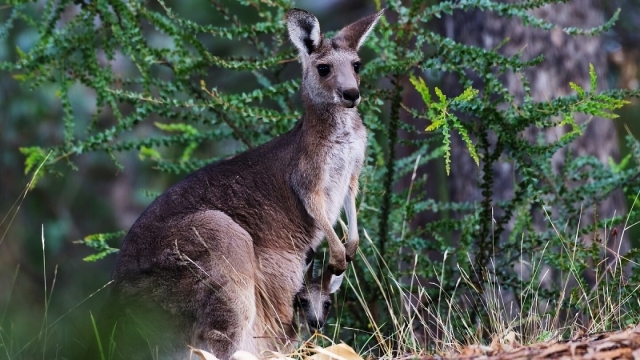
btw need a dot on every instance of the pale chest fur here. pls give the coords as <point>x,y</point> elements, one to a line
<point>345,157</point>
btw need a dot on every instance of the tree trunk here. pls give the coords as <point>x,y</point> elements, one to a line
<point>567,59</point>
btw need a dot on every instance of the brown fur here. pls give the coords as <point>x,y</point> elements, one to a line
<point>221,254</point>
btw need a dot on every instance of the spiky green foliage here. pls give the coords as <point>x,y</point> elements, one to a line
<point>99,242</point>
<point>181,93</point>
<point>443,119</point>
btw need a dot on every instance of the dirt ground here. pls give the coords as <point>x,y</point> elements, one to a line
<point>624,344</point>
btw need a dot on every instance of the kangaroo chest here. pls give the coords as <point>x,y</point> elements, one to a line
<point>345,156</point>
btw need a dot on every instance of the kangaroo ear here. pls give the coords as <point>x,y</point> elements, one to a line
<point>335,283</point>
<point>354,35</point>
<point>308,270</point>
<point>304,31</point>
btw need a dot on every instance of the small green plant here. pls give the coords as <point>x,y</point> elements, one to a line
<point>99,242</point>
<point>442,117</point>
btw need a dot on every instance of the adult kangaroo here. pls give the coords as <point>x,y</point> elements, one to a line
<point>221,254</point>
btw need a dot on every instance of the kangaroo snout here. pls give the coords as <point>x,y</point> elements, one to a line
<point>352,97</point>
<point>315,324</point>
<point>351,94</point>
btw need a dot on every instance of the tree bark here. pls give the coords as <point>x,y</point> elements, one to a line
<point>567,59</point>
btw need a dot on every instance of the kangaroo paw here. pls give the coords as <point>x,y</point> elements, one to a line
<point>351,248</point>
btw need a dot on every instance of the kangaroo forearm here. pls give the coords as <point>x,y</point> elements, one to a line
<point>352,219</point>
<point>337,257</point>
<point>350,211</point>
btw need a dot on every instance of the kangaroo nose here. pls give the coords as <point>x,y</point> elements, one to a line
<point>351,94</point>
<point>316,324</point>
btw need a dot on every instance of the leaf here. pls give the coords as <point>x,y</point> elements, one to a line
<point>616,168</point>
<point>592,79</point>
<point>468,94</point>
<point>149,153</point>
<point>35,155</point>
<point>467,140</point>
<point>421,87</point>
<point>577,89</point>
<point>447,149</point>
<point>338,352</point>
<point>440,117</point>
<point>21,54</point>
<point>441,96</point>
<point>100,255</point>
<point>188,151</point>
<point>436,124</point>
<point>204,355</point>
<point>178,127</point>
<point>99,243</point>
<point>243,355</point>
<point>35,160</point>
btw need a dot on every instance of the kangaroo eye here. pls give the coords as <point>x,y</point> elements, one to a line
<point>324,69</point>
<point>304,303</point>
<point>356,67</point>
<point>327,304</point>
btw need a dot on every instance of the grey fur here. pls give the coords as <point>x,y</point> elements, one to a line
<point>221,254</point>
<point>313,302</point>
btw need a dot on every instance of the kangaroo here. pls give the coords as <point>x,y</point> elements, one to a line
<point>221,254</point>
<point>313,302</point>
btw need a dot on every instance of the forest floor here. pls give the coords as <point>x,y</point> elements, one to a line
<point>617,345</point>
<point>623,344</point>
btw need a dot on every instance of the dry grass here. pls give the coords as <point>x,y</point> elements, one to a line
<point>423,325</point>
<point>416,316</point>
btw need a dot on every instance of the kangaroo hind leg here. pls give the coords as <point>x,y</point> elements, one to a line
<point>224,295</point>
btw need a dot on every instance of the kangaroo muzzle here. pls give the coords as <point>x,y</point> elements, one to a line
<point>315,323</point>
<point>350,97</point>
